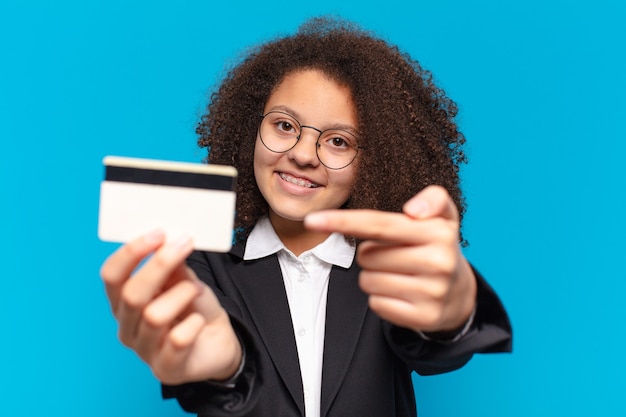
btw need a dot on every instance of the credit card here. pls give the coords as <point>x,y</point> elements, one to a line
<point>181,198</point>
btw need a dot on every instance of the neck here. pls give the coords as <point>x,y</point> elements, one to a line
<point>295,236</point>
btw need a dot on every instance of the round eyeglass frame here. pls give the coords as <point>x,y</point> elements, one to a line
<point>317,143</point>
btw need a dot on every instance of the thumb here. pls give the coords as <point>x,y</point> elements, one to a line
<point>206,303</point>
<point>432,201</point>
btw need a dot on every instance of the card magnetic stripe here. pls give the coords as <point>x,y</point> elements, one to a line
<point>170,178</point>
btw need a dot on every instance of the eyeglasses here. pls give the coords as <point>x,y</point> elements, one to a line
<point>335,148</point>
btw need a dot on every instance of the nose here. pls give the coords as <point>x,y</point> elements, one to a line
<point>305,151</point>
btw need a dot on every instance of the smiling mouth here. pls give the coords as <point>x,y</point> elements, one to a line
<point>297,181</point>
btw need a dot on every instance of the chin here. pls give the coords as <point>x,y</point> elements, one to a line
<point>291,215</point>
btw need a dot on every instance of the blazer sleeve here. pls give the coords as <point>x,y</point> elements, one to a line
<point>490,332</point>
<point>215,398</point>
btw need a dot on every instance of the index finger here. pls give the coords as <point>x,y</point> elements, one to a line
<point>373,225</point>
<point>118,267</point>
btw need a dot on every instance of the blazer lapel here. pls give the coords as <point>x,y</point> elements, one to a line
<point>261,286</point>
<point>345,311</point>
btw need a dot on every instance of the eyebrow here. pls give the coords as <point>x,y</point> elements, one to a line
<point>292,112</point>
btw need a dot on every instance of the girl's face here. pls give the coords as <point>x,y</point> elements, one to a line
<point>295,183</point>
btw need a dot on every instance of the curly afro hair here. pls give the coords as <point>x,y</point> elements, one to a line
<point>406,123</point>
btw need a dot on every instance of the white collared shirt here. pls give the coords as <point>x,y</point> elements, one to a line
<point>306,280</point>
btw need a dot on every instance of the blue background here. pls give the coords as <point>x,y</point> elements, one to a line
<point>542,93</point>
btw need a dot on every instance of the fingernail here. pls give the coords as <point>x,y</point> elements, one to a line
<point>200,285</point>
<point>416,207</point>
<point>154,236</point>
<point>315,220</point>
<point>180,243</point>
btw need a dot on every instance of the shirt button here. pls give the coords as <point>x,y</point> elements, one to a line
<point>301,277</point>
<point>301,331</point>
<point>306,259</point>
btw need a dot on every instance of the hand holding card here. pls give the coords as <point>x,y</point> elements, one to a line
<point>140,195</point>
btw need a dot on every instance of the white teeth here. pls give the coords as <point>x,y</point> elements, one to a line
<point>297,181</point>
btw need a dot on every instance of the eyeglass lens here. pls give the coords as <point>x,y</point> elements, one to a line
<point>280,131</point>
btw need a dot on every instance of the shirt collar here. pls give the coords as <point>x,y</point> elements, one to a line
<point>263,241</point>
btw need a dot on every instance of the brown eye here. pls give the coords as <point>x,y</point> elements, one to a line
<point>338,142</point>
<point>285,126</point>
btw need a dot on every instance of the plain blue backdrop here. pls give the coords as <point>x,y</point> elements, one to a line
<point>542,92</point>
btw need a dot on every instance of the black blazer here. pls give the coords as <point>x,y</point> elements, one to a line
<point>367,361</point>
